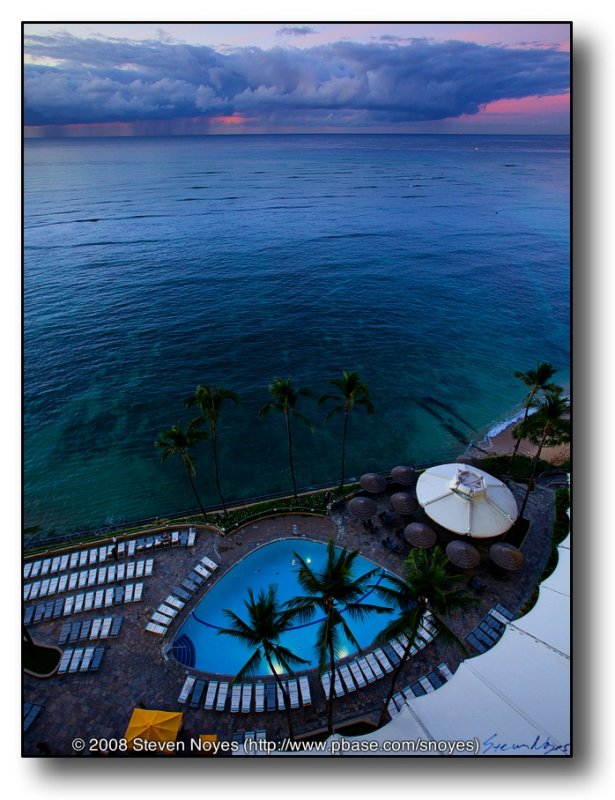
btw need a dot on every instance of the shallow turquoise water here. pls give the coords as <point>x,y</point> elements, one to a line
<point>434,265</point>
<point>270,564</point>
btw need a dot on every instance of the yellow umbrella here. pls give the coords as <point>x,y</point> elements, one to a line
<point>208,741</point>
<point>155,726</point>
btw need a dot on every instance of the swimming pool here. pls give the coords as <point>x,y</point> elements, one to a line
<point>199,645</point>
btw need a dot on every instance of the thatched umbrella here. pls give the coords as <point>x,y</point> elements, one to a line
<point>373,482</point>
<point>420,535</point>
<point>506,556</point>
<point>404,475</point>
<point>362,507</point>
<point>462,554</point>
<point>403,502</point>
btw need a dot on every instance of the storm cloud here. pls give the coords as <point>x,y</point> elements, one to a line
<point>74,80</point>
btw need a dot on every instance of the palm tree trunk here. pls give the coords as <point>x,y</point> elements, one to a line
<point>278,680</point>
<point>290,454</point>
<point>196,494</point>
<point>331,689</point>
<point>344,449</point>
<point>518,442</point>
<point>394,677</point>
<point>531,477</point>
<point>215,455</point>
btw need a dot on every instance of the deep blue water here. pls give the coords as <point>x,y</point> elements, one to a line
<point>434,265</point>
<point>273,563</point>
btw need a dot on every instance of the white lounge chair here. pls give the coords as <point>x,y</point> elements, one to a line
<point>161,619</point>
<point>65,661</point>
<point>186,688</point>
<point>246,698</point>
<point>68,606</point>
<point>202,571</point>
<point>326,683</point>
<point>152,627</point>
<point>426,684</point>
<point>366,669</point>
<point>62,584</point>
<point>149,567</point>
<point>293,690</point>
<point>259,696</point>
<point>371,660</point>
<point>88,654</point>
<point>167,611</point>
<point>191,537</point>
<point>236,698</point>
<point>209,563</point>
<point>55,564</point>
<point>106,627</point>
<point>306,695</point>
<point>53,585</point>
<point>347,678</point>
<point>76,659</point>
<point>27,569</point>
<point>95,629</point>
<point>99,598</point>
<point>138,593</point>
<point>211,695</point>
<point>109,596</point>
<point>174,601</point>
<point>128,592</point>
<point>222,695</point>
<point>74,560</point>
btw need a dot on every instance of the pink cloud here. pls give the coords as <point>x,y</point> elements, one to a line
<point>551,104</point>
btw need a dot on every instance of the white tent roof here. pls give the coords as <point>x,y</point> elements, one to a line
<point>466,500</point>
<point>514,699</point>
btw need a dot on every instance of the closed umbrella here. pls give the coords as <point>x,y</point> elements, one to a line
<point>462,554</point>
<point>404,475</point>
<point>362,507</point>
<point>506,556</point>
<point>403,502</point>
<point>420,535</point>
<point>466,500</point>
<point>372,482</point>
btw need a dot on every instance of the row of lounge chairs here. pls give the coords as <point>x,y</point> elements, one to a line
<point>98,555</point>
<point>81,659</point>
<point>165,613</point>
<point>84,601</point>
<point>491,628</point>
<point>244,697</point>
<point>92,629</point>
<point>88,578</point>
<point>425,685</point>
<point>30,713</point>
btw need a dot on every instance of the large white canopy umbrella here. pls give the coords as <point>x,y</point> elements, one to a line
<point>466,500</point>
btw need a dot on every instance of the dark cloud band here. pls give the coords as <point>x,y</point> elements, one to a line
<point>73,80</point>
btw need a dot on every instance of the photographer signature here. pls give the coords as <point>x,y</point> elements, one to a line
<point>544,746</point>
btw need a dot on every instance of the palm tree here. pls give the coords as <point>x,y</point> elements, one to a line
<point>537,380</point>
<point>267,621</point>
<point>426,593</point>
<point>285,398</point>
<point>548,427</point>
<point>176,442</point>
<point>334,591</point>
<point>210,399</point>
<point>352,392</point>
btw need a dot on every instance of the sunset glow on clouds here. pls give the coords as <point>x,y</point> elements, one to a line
<point>301,78</point>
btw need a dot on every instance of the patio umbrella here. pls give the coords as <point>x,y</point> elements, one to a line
<point>362,507</point>
<point>372,482</point>
<point>462,554</point>
<point>403,502</point>
<point>403,475</point>
<point>420,535</point>
<point>506,556</point>
<point>155,726</point>
<point>466,500</point>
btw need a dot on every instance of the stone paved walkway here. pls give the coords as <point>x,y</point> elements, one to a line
<point>136,671</point>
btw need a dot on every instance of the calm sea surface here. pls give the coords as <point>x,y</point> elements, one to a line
<point>434,265</point>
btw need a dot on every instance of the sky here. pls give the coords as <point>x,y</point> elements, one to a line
<point>125,79</point>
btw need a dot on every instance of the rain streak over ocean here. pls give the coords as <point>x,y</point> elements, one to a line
<point>436,266</point>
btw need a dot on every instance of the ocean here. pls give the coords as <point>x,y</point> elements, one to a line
<point>436,266</point>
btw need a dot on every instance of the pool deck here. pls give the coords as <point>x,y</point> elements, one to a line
<point>135,671</point>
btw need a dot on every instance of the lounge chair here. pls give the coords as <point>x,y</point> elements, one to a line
<point>357,674</point>
<point>417,689</point>
<point>280,696</point>
<point>88,655</point>
<point>69,603</point>
<point>476,644</point>
<point>97,660</point>
<point>131,548</point>
<point>72,581</point>
<point>83,558</point>
<point>88,601</point>
<point>366,669</point>
<point>173,601</point>
<point>347,678</point>
<point>167,610</point>
<point>210,697</point>
<point>383,660</point>
<point>64,562</point>
<point>326,683</point>
<point>197,579</point>
<point>64,633</point>
<point>261,735</point>
<point>27,569</point>
<point>209,563</point>
<point>138,593</point>
<point>259,696</point>
<point>270,697</point>
<point>396,704</point>
<point>139,568</point>
<point>99,598</point>
<point>130,570</point>
<point>44,591</point>
<point>34,590</point>
<point>62,584</point>
<point>92,577</point>
<point>161,619</point>
<point>222,695</point>
<point>182,593</point>
<point>101,576</point>
<point>36,569</point>
<point>86,625</point>
<point>26,591</point>
<point>65,661</point>
<point>128,592</point>
<point>202,571</point>
<point>304,685</point>
<point>28,615</point>
<point>58,607</point>
<point>53,585</point>
<point>174,538</point>
<point>153,627</point>
<point>45,567</point>
<point>49,609</point>
<point>191,538</point>
<point>186,689</point>
<point>508,615</point>
<point>106,627</point>
<point>189,585</point>
<point>121,549</point>
<point>149,567</point>
<point>235,698</point>
<point>371,660</point>
<point>120,575</point>
<point>96,626</point>
<point>183,539</point>
<point>293,690</point>
<point>426,684</point>
<point>119,595</point>
<point>338,685</point>
<point>197,693</point>
<point>391,654</point>
<point>31,712</point>
<point>116,626</point>
<point>82,579</point>
<point>396,645</point>
<point>246,698</point>
<point>111,573</point>
<point>55,564</point>
<point>75,659</point>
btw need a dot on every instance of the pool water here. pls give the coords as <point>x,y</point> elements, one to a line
<point>199,645</point>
